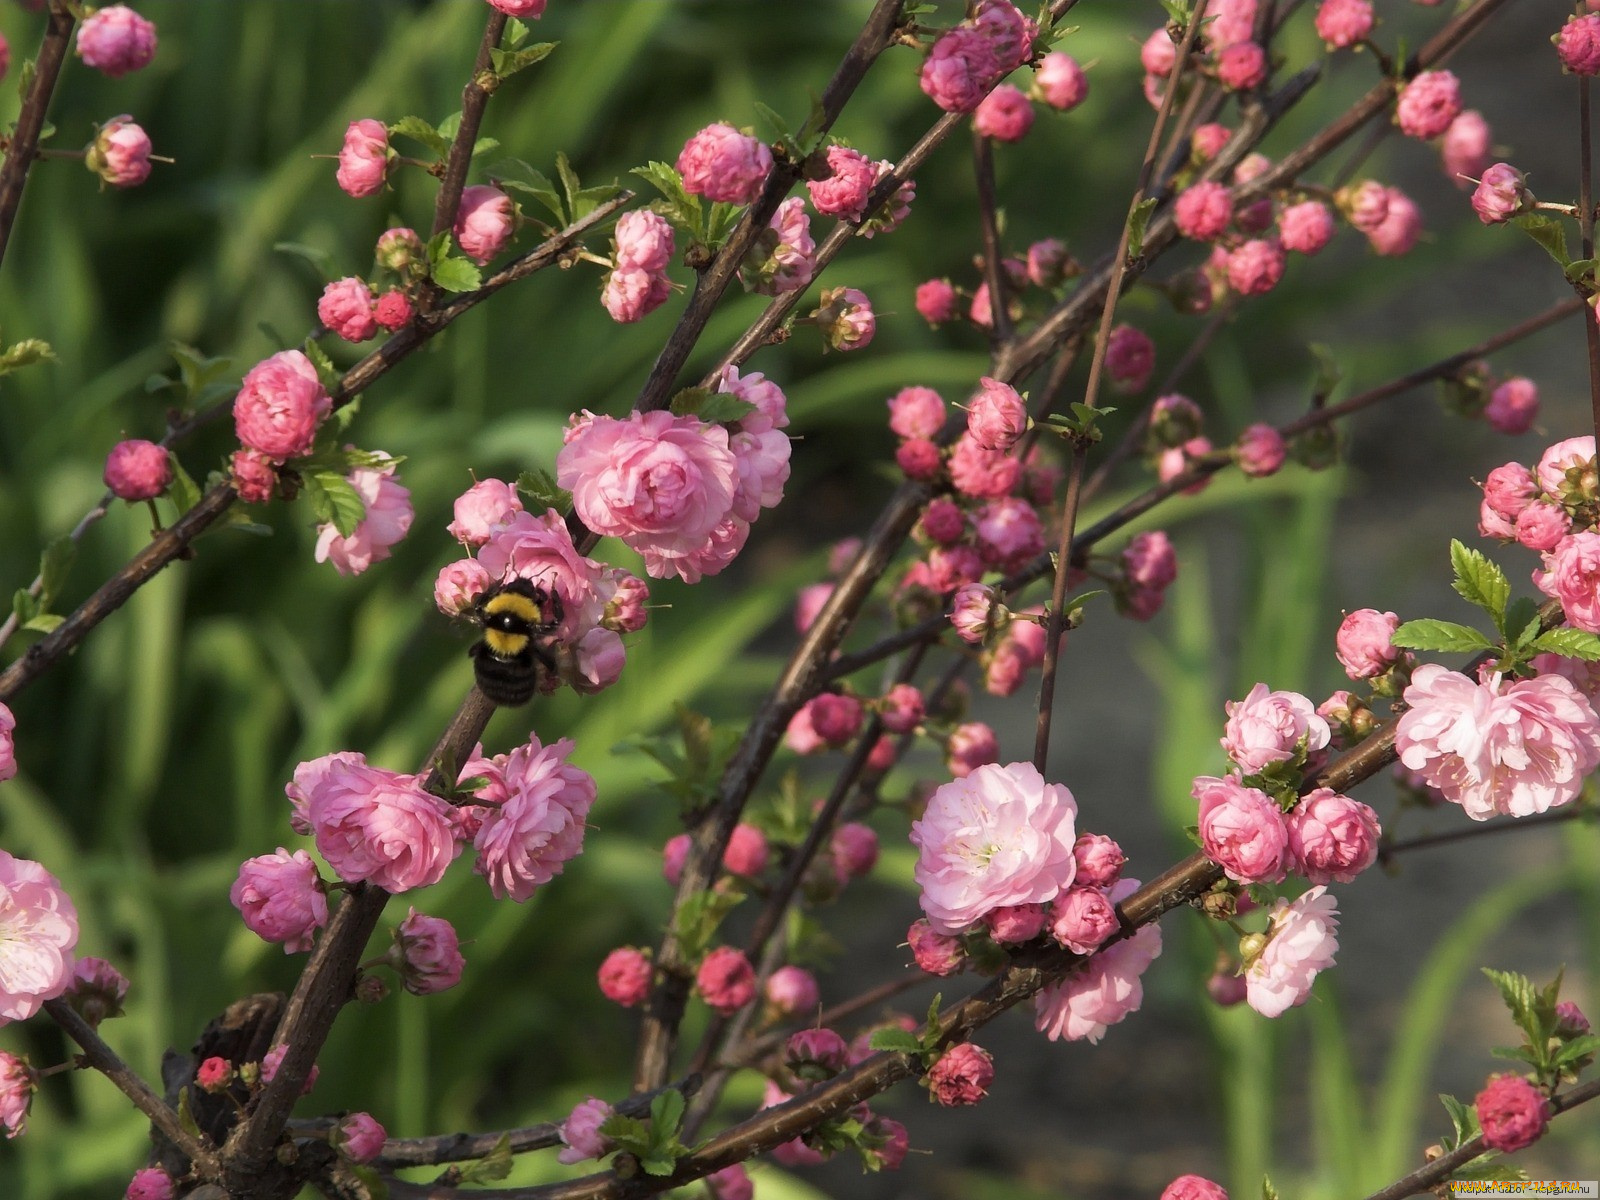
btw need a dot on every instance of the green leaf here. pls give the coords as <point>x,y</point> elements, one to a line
<point>44,623</point>
<point>24,605</point>
<point>25,354</point>
<point>590,198</point>
<point>629,1133</point>
<point>666,1111</point>
<point>896,1040</point>
<point>682,209</point>
<point>1548,232</point>
<point>1329,372</point>
<point>1444,636</point>
<point>1575,1049</point>
<point>508,62</point>
<point>779,127</point>
<point>1522,618</point>
<point>569,182</point>
<point>333,499</point>
<point>1569,643</point>
<point>182,491</point>
<point>492,1167</point>
<point>485,145</point>
<point>1137,221</point>
<point>186,1119</point>
<point>320,259</point>
<point>1480,581</point>
<point>1580,270</point>
<point>326,371</point>
<point>419,130</point>
<point>450,126</point>
<point>1463,1119</point>
<point>658,1165</point>
<point>456,274</point>
<point>1517,992</point>
<point>516,33</point>
<point>540,487</point>
<point>1268,1192</point>
<point>519,176</point>
<point>54,565</point>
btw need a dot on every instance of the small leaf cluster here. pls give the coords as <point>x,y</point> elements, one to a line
<point>654,1142</point>
<point>1555,1055</point>
<point>707,225</point>
<point>694,769</point>
<point>927,1045</point>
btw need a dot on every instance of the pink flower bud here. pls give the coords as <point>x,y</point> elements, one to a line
<point>1570,1021</point>
<point>1099,860</point>
<point>722,164</point>
<point>485,220</point>
<point>458,585</point>
<point>1049,263</point>
<point>627,611</point>
<point>364,158</point>
<point>1203,210</point>
<point>1362,644</point>
<point>1082,918</point>
<point>97,990</point>
<point>149,1183</point>
<point>936,301</point>
<point>1242,66</point>
<point>836,717</point>
<point>1501,194</point>
<point>281,898</point>
<point>1577,45</point>
<point>960,67</point>
<point>1260,451</point>
<point>1004,114</point>
<point>346,309</point>
<point>793,991</point>
<point>1193,1187</point>
<point>853,849</point>
<point>1332,837</point>
<point>253,476</point>
<point>1130,357</point>
<point>726,981</point>
<point>1513,406</point>
<point>1305,228</point>
<point>731,1183</point>
<point>274,1059</point>
<point>1401,227</point>
<point>815,1053</point>
<point>399,249</point>
<point>625,976</point>
<point>971,746</point>
<point>631,294</point>
<point>935,953</point>
<point>747,851</point>
<point>1541,526</point>
<point>845,318</point>
<point>961,1076</point>
<point>1242,830</point>
<point>844,190</point>
<point>1512,1113</point>
<point>358,1137</point>
<point>901,708</point>
<point>1428,104</point>
<point>673,856</point>
<point>1060,82</point>
<point>1255,267</point>
<point>523,10</point>
<point>214,1075</point>
<point>943,522</point>
<point>393,310</point>
<point>1364,205</point>
<point>916,412</point>
<point>1207,141</point>
<point>279,406</point>
<point>1509,489</point>
<point>120,153</point>
<point>429,954</point>
<point>996,415</point>
<point>1465,148</point>
<point>919,459</point>
<point>975,612</point>
<point>138,470</point>
<point>1158,55</point>
<point>116,40</point>
<point>581,1132</point>
<point>1343,23</point>
<point>644,240</point>
<point>1013,924</point>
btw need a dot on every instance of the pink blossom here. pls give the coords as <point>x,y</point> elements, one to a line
<point>1332,837</point>
<point>1466,147</point>
<point>1157,55</point>
<point>793,991</point>
<point>1000,836</point>
<point>1572,576</point>
<point>1255,267</point>
<point>1102,991</point>
<point>1268,727</point>
<point>1363,644</point>
<point>1541,526</point>
<point>1060,82</point>
<point>97,990</point>
<point>481,509</point>
<point>1004,114</point>
<point>1501,194</point>
<point>1305,228</point>
<point>627,610</point>
<point>1015,923</point>
<point>485,220</point>
<point>936,301</point>
<point>1260,451</point>
<point>120,153</point>
<point>398,249</point>
<point>347,309</point>
<point>726,981</point>
<point>731,1183</point>
<point>935,953</point>
<point>643,239</point>
<point>962,1075</point>
<point>1300,943</point>
<point>784,257</point>
<point>975,611</point>
<point>1242,66</point>
<point>1513,406</point>
<point>8,748</point>
<point>1010,533</point>
<point>1099,860</point>
<point>279,406</point>
<point>116,40</point>
<point>38,929</point>
<point>1428,104</point>
<point>724,165</point>
<point>253,476</point>
<point>358,1137</point>
<point>845,318</point>
<point>18,1082</point>
<point>1149,560</point>
<point>809,603</point>
<point>1130,357</point>
<point>1208,140</point>
<point>895,209</point>
<point>1566,470</point>
<point>273,1059</point>
<point>138,470</point>
<point>771,411</point>
<point>527,838</point>
<point>746,853</point>
<point>149,1183</point>
<point>388,518</point>
<point>1242,830</point>
<point>901,708</point>
<point>1049,263</point>
<point>581,1135</point>
<point>1509,489</point>
<point>1577,45</point>
<point>1082,918</point>
<point>815,1053</point>
<point>625,976</point>
<point>854,850</point>
<point>1179,460</point>
<point>961,66</point>
<point>919,459</point>
<point>630,294</point>
<point>428,954</point>
<point>1512,1112</point>
<point>393,310</point>
<point>970,746</point>
<point>281,898</point>
<point>378,826</point>
<point>996,415</point>
<point>762,460</point>
<point>836,717</point>
<point>1365,205</point>
<point>1193,1187</point>
<point>1232,22</point>
<point>660,483</point>
<point>980,473</point>
<point>800,735</point>
<point>457,586</point>
<point>1204,210</point>
<point>1585,676</point>
<point>1343,23</point>
<point>916,412</point>
<point>844,190</point>
<point>1401,227</point>
<point>364,158</point>
<point>981,312</point>
<point>943,522</point>
<point>523,10</point>
<point>673,856</point>
<point>1515,748</point>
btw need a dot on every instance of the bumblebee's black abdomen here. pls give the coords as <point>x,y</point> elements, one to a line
<point>509,682</point>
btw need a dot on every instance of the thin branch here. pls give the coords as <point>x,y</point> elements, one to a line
<point>1591,333</point>
<point>1513,825</point>
<point>994,268</point>
<point>474,99</point>
<point>24,144</point>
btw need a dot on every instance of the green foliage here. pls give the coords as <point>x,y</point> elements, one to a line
<point>655,1142</point>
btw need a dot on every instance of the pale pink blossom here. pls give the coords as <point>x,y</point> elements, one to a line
<point>1513,406</point>
<point>281,898</point>
<point>1157,54</point>
<point>120,153</point>
<point>1060,82</point>
<point>38,929</point>
<point>901,708</point>
<point>116,40</point>
<point>388,518</point>
<point>138,470</point>
<point>762,460</point>
<point>482,508</point>
<point>359,1137</point>
<point>1363,644</point>
<point>625,976</point>
<point>725,980</point>
<point>981,311</point>
<point>971,745</point>
<point>771,406</point>
<point>1572,575</point>
<point>982,474</point>
<point>844,190</point>
<point>378,826</point>
<point>428,954</point>
<point>1242,830</point>
<point>1209,139</point>
<point>485,220</point>
<point>1082,918</point>
<point>279,406</point>
<point>1000,836</point>
<point>347,309</point>
<point>962,1075</point>
<point>1231,22</point>
<point>1099,860</point>
<point>97,990</point>
<point>1541,526</point>
<point>1400,229</point>
<point>18,1082</point>
<point>724,165</point>
<point>364,158</point>
<point>1566,470</point>
<point>1365,205</point>
<point>580,1132</point>
<point>936,301</point>
<point>996,415</point>
<point>1466,146</point>
<point>1332,837</point>
<point>975,611</point>
<point>1512,1113</point>
<point>1300,943</point>
<point>1509,489</point>
<point>458,585</point>
<point>784,256</point>
<point>1428,104</point>
<point>916,412</point>
<point>1517,747</point>
<point>643,239</point>
<point>530,835</point>
<point>1501,194</point>
<point>793,991</point>
<point>627,611</point>
<point>1005,114</point>
<point>1268,727</point>
<point>1343,23</point>
<point>523,10</point>
<point>1102,991</point>
<point>630,293</point>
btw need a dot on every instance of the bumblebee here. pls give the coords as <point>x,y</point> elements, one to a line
<point>510,658</point>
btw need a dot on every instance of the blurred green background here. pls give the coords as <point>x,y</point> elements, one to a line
<point>153,761</point>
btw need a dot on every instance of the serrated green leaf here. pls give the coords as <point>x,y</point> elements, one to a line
<point>186,1119</point>
<point>1137,221</point>
<point>519,176</point>
<point>1575,1049</point>
<point>541,488</point>
<point>1549,232</point>
<point>334,499</point>
<point>896,1040</point>
<point>450,126</point>
<point>658,1165</point>
<point>1522,619</point>
<point>666,1112</point>
<point>455,274</point>
<point>1463,1119</point>
<point>516,33</point>
<point>493,1166</point>
<point>1479,581</point>
<point>569,181</point>
<point>419,130</point>
<point>1580,269</point>
<point>1443,636</point>
<point>54,565</point>
<point>485,145</point>
<point>508,62</point>
<point>1268,1192</point>
<point>1569,643</point>
<point>182,491</point>
<point>326,371</point>
<point>779,127</point>
<point>630,1133</point>
<point>1516,990</point>
<point>590,198</point>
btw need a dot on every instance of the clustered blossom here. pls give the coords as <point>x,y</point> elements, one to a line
<point>1512,1113</point>
<point>962,1075</point>
<point>280,404</point>
<point>348,310</point>
<point>1102,991</point>
<point>281,898</point>
<point>364,158</point>
<point>385,522</point>
<point>1269,727</point>
<point>535,805</point>
<point>485,221</point>
<point>1300,943</point>
<point>638,283</point>
<point>138,470</point>
<point>580,1132</point>
<point>116,40</point>
<point>722,164</point>
<point>783,258</point>
<point>969,59</point>
<point>1242,830</point>
<point>1578,44</point>
<point>38,930</point>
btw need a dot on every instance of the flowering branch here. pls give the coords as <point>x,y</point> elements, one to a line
<point>24,144</point>
<point>474,99</point>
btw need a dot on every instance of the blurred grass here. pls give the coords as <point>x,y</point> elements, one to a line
<point>154,759</point>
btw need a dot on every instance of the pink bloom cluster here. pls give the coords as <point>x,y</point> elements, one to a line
<point>279,406</point>
<point>962,1075</point>
<point>1268,727</point>
<point>784,256</point>
<point>1512,1113</point>
<point>1300,943</point>
<point>282,898</point>
<point>969,59</point>
<point>1105,989</point>
<point>534,805</point>
<point>638,283</point>
<point>387,519</point>
<point>38,930</point>
<point>724,165</point>
<point>138,470</point>
<point>116,40</point>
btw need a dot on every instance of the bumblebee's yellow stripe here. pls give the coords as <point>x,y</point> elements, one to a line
<point>505,645</point>
<point>515,604</point>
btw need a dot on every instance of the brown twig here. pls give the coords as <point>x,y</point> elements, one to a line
<point>1591,333</point>
<point>1426,841</point>
<point>994,268</point>
<point>474,99</point>
<point>24,144</point>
